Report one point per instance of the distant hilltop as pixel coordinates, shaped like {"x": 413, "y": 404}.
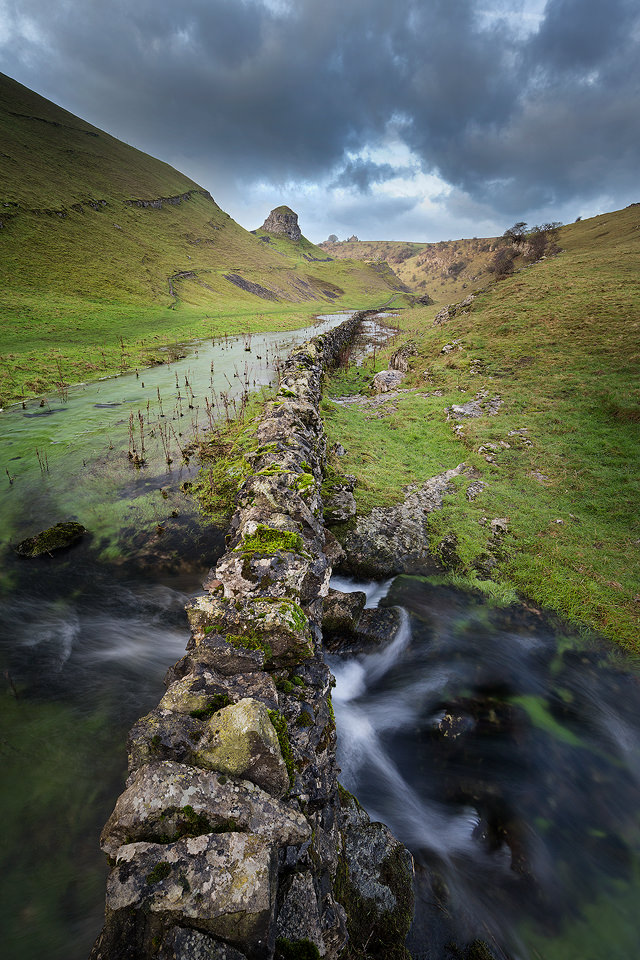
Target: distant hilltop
{"x": 283, "y": 220}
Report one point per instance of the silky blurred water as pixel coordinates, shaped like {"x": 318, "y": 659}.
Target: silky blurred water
{"x": 505, "y": 753}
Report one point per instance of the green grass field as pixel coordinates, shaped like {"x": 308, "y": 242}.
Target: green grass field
{"x": 93, "y": 282}
{"x": 559, "y": 343}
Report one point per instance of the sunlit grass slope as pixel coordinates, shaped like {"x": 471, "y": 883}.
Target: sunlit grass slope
{"x": 106, "y": 253}
{"x": 559, "y": 344}
{"x": 446, "y": 271}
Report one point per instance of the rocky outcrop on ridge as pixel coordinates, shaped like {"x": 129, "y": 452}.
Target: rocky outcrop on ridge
{"x": 233, "y": 839}
{"x": 283, "y": 220}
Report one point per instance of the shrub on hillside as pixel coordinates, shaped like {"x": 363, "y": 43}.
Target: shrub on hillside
{"x": 502, "y": 262}
{"x": 455, "y": 269}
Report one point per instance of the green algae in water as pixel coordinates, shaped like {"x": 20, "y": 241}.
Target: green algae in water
{"x": 53, "y": 800}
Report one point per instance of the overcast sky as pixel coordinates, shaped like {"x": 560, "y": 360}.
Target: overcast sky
{"x": 390, "y": 119}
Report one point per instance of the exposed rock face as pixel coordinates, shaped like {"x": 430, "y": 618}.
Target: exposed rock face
{"x": 229, "y": 842}
{"x": 392, "y": 540}
{"x": 283, "y": 220}
{"x": 387, "y": 380}
{"x": 400, "y": 360}
{"x": 447, "y": 313}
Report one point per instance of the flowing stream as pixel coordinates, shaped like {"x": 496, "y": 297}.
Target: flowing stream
{"x": 505, "y": 753}
{"x": 88, "y": 634}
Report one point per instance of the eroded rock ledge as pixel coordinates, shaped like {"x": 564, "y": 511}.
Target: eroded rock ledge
{"x": 233, "y": 839}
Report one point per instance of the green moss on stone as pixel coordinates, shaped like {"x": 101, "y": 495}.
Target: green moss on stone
{"x": 331, "y": 711}
{"x": 293, "y": 610}
{"x": 58, "y": 537}
{"x": 274, "y": 470}
{"x": 347, "y": 799}
{"x": 160, "y": 872}
{"x": 267, "y": 540}
{"x": 218, "y": 701}
{"x": 305, "y": 719}
{"x": 250, "y": 641}
{"x": 305, "y": 483}
{"x": 280, "y": 726}
{"x": 296, "y": 950}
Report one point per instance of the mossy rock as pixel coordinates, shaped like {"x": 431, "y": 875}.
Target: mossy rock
{"x": 374, "y": 883}
{"x": 296, "y": 950}
{"x": 59, "y": 537}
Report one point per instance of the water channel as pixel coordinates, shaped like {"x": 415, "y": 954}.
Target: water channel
{"x": 88, "y": 635}
{"x": 502, "y": 750}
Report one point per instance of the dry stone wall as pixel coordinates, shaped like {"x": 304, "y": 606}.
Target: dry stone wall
{"x": 233, "y": 839}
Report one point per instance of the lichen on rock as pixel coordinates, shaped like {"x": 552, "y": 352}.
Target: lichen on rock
{"x": 240, "y": 740}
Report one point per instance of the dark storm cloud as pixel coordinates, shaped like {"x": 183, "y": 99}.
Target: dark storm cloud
{"x": 283, "y": 91}
{"x": 361, "y": 174}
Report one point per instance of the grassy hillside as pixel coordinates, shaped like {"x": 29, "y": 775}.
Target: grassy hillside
{"x": 558, "y": 343}
{"x": 106, "y": 253}
{"x": 446, "y": 271}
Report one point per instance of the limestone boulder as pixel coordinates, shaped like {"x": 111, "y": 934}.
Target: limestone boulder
{"x": 166, "y": 801}
{"x": 211, "y": 651}
{"x": 222, "y": 884}
{"x": 342, "y": 611}
{"x": 181, "y": 943}
{"x": 374, "y": 628}
{"x": 374, "y": 884}
{"x": 278, "y": 627}
{"x": 339, "y": 505}
{"x": 163, "y": 735}
{"x": 304, "y": 918}
{"x": 203, "y": 691}
{"x": 387, "y": 380}
{"x": 240, "y": 740}
{"x": 400, "y": 360}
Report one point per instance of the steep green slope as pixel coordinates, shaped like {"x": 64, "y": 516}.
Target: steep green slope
{"x": 552, "y": 357}
{"x": 102, "y": 245}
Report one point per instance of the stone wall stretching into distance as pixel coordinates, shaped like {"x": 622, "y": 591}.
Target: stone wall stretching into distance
{"x": 233, "y": 839}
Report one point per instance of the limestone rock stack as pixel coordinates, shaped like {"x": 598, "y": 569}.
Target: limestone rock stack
{"x": 283, "y": 220}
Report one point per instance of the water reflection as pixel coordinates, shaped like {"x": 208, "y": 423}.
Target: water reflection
{"x": 506, "y": 757}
